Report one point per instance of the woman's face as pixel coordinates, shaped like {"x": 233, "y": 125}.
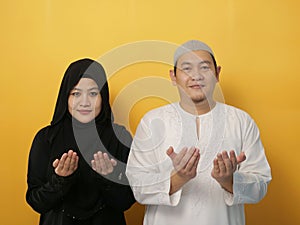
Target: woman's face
{"x": 84, "y": 102}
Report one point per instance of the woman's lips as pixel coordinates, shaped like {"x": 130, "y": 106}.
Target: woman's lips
{"x": 84, "y": 112}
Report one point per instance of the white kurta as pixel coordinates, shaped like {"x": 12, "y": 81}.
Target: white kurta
{"x": 201, "y": 201}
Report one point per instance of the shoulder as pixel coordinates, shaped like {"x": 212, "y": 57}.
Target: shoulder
{"x": 234, "y": 112}
{"x": 237, "y": 117}
{"x": 40, "y": 143}
{"x": 47, "y": 133}
{"x": 43, "y": 133}
{"x": 160, "y": 112}
{"x": 122, "y": 133}
{"x": 118, "y": 128}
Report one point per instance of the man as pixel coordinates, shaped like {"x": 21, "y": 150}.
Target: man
{"x": 197, "y": 162}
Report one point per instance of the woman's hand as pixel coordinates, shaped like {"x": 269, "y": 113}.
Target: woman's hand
{"x": 102, "y": 164}
{"x": 67, "y": 164}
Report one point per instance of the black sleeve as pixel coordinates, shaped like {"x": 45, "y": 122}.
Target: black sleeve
{"x": 117, "y": 192}
{"x": 44, "y": 192}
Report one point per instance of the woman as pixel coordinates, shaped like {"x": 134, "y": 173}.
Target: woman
{"x": 76, "y": 170}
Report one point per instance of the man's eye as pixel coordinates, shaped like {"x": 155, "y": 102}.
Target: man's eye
{"x": 186, "y": 68}
{"x": 204, "y": 67}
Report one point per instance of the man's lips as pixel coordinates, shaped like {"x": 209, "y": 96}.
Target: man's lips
{"x": 197, "y": 86}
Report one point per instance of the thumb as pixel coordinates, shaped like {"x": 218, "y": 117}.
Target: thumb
{"x": 241, "y": 157}
{"x": 55, "y": 163}
{"x": 171, "y": 153}
{"x": 113, "y": 162}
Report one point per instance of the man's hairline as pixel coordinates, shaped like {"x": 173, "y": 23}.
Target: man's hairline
{"x": 211, "y": 55}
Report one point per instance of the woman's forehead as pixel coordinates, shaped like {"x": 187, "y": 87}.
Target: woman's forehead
{"x": 86, "y": 83}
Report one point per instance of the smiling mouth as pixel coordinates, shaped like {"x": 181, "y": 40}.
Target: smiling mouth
{"x": 84, "y": 112}
{"x": 197, "y": 86}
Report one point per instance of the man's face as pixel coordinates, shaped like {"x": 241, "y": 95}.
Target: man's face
{"x": 196, "y": 76}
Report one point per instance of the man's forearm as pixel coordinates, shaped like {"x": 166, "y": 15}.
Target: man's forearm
{"x": 176, "y": 183}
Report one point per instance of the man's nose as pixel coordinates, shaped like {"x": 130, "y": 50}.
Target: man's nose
{"x": 197, "y": 75}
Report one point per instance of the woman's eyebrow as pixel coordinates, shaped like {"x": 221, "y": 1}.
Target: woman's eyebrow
{"x": 79, "y": 89}
{"x": 93, "y": 88}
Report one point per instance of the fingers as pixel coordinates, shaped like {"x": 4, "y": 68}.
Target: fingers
{"x": 193, "y": 161}
{"x": 185, "y": 158}
{"x": 216, "y": 168}
{"x": 233, "y": 158}
{"x": 178, "y": 157}
{"x": 185, "y": 162}
{"x": 96, "y": 164}
{"x": 221, "y": 165}
{"x": 68, "y": 161}
{"x": 73, "y": 160}
{"x": 223, "y": 168}
{"x": 103, "y": 164}
{"x": 227, "y": 163}
{"x": 67, "y": 164}
{"x": 61, "y": 164}
{"x": 182, "y": 158}
{"x": 224, "y": 164}
{"x": 107, "y": 163}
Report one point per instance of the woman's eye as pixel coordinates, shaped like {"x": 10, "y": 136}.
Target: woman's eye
{"x": 76, "y": 94}
{"x": 94, "y": 93}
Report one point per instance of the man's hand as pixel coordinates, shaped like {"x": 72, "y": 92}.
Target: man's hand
{"x": 185, "y": 166}
{"x": 102, "y": 164}
{"x": 224, "y": 166}
{"x": 67, "y": 164}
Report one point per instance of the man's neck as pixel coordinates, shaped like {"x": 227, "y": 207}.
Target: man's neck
{"x": 198, "y": 108}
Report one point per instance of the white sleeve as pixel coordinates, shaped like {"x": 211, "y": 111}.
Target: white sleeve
{"x": 149, "y": 168}
{"x": 250, "y": 181}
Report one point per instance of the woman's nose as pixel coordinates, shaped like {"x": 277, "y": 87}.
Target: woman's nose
{"x": 85, "y": 101}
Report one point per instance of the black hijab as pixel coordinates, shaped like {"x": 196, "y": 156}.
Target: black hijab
{"x": 83, "y": 68}
{"x": 101, "y": 134}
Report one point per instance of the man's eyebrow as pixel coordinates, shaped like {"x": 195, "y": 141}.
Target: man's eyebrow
{"x": 185, "y": 63}
{"x": 189, "y": 63}
{"x": 205, "y": 61}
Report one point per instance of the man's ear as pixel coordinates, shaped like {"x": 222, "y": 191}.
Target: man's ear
{"x": 172, "y": 77}
{"x": 218, "y": 71}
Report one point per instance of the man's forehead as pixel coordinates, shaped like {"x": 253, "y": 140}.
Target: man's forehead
{"x": 195, "y": 56}
{"x": 192, "y": 45}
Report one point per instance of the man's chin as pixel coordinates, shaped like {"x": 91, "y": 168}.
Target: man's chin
{"x": 197, "y": 100}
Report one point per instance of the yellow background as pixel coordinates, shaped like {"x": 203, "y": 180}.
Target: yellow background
{"x": 256, "y": 42}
